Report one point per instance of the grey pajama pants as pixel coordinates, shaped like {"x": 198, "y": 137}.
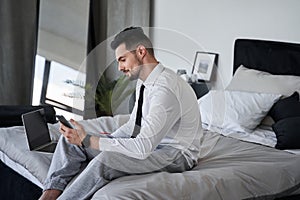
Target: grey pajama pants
{"x": 99, "y": 168}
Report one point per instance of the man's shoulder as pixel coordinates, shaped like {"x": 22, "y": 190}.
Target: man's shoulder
{"x": 171, "y": 79}
{"x": 168, "y": 76}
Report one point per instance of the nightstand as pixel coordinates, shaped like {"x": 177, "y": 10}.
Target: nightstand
{"x": 200, "y": 88}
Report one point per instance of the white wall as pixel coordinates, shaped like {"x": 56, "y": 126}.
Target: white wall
{"x": 213, "y": 25}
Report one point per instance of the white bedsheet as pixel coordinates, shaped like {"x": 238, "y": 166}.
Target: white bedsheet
{"x": 14, "y": 145}
{"x": 14, "y": 151}
{"x": 17, "y": 167}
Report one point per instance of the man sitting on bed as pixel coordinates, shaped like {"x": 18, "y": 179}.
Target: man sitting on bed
{"x": 166, "y": 136}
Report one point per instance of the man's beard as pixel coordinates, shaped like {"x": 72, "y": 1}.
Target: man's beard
{"x": 137, "y": 70}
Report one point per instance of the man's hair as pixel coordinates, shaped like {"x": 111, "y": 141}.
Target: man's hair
{"x": 132, "y": 37}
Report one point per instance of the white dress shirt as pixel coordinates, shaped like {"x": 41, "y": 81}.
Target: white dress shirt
{"x": 170, "y": 116}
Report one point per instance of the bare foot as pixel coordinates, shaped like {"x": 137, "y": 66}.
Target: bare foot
{"x": 50, "y": 194}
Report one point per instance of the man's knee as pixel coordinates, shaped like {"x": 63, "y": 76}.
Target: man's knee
{"x": 110, "y": 158}
{"x": 107, "y": 165}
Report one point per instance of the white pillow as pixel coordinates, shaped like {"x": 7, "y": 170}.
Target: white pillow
{"x": 235, "y": 110}
{"x": 252, "y": 80}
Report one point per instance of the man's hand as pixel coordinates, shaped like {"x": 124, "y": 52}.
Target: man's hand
{"x": 73, "y": 136}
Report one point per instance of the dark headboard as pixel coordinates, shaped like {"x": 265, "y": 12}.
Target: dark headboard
{"x": 270, "y": 56}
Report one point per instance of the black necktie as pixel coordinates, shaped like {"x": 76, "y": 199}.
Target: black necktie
{"x": 138, "y": 118}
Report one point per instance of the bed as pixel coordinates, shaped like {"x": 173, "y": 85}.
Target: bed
{"x": 244, "y": 154}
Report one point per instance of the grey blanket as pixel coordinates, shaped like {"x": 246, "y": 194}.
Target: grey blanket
{"x": 227, "y": 169}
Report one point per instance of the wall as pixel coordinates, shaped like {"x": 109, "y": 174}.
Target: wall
{"x": 184, "y": 27}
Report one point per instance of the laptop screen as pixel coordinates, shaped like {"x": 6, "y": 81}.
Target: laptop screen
{"x": 36, "y": 129}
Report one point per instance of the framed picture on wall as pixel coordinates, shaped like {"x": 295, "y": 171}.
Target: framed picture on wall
{"x": 203, "y": 65}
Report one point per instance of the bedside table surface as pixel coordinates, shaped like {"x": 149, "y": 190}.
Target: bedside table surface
{"x": 200, "y": 88}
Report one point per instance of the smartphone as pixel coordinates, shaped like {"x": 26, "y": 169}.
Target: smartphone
{"x": 63, "y": 120}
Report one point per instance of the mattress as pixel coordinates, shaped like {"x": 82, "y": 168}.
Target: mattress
{"x": 34, "y": 165}
{"x": 228, "y": 168}
{"x": 17, "y": 167}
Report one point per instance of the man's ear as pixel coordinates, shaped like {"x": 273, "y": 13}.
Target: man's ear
{"x": 141, "y": 51}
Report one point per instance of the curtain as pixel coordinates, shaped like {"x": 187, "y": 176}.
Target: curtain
{"x": 107, "y": 18}
{"x": 18, "y": 39}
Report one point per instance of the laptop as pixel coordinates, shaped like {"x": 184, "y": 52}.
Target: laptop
{"x": 37, "y": 132}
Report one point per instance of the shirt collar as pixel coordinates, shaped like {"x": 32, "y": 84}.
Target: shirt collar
{"x": 150, "y": 80}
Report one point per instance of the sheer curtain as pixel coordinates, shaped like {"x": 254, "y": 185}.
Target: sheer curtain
{"x": 107, "y": 18}
{"x": 18, "y": 36}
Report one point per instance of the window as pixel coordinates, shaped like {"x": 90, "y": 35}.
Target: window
{"x": 38, "y": 79}
{"x": 59, "y": 85}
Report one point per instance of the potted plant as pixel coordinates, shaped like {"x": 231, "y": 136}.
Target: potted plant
{"x": 111, "y": 93}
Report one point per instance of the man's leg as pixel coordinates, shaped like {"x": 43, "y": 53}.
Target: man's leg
{"x": 67, "y": 161}
{"x": 108, "y": 166}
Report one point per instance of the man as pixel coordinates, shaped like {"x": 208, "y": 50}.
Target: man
{"x": 162, "y": 134}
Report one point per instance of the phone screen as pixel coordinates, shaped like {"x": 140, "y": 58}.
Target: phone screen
{"x": 63, "y": 120}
